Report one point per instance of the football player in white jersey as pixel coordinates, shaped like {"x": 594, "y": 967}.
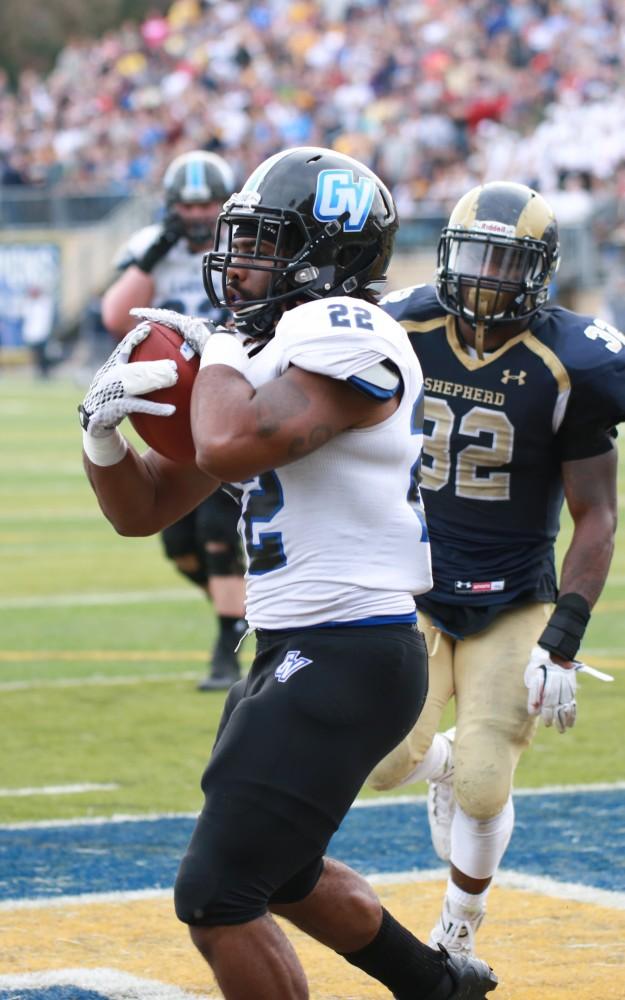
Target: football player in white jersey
{"x": 161, "y": 266}
{"x": 312, "y": 410}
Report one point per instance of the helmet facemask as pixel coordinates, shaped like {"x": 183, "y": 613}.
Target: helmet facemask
{"x": 302, "y": 264}
{"x": 496, "y": 258}
{"x": 319, "y": 222}
{"x": 492, "y": 280}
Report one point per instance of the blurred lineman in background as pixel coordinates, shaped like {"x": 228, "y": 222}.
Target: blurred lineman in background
{"x": 161, "y": 266}
{"x": 312, "y": 408}
{"x": 521, "y": 403}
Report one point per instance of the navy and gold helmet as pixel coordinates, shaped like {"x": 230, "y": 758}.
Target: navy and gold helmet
{"x": 497, "y": 255}
{"x": 321, "y": 222}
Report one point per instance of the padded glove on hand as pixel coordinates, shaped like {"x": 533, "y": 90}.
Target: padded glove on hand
{"x": 194, "y": 331}
{"x": 551, "y": 690}
{"x": 117, "y": 387}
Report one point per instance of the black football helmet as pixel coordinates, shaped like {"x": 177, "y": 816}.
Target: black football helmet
{"x": 497, "y": 255}
{"x": 195, "y": 177}
{"x": 330, "y": 220}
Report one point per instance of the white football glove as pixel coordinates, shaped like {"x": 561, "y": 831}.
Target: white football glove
{"x": 117, "y": 387}
{"x": 193, "y": 330}
{"x": 551, "y": 690}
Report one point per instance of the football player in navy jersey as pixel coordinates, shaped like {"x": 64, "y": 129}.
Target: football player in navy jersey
{"x": 161, "y": 267}
{"x": 312, "y": 409}
{"x": 521, "y": 402}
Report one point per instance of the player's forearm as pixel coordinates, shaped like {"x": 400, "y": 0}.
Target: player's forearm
{"x": 126, "y": 494}
{"x": 587, "y": 561}
{"x": 591, "y": 496}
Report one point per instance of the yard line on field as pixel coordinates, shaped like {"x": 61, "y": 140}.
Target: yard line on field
{"x": 86, "y": 600}
{"x": 48, "y": 902}
{"x": 47, "y": 824}
{"x": 99, "y": 982}
{"x": 32, "y": 515}
{"x": 407, "y": 800}
{"x": 516, "y": 880}
{"x": 381, "y": 802}
{"x": 521, "y": 881}
{"x": 99, "y": 680}
{"x": 10, "y": 793}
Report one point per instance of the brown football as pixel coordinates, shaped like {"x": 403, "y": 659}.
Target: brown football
{"x": 170, "y": 436}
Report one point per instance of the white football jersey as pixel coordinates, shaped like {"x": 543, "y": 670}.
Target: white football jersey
{"x": 339, "y": 535}
{"x": 178, "y": 282}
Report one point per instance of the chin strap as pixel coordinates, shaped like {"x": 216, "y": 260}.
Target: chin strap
{"x": 480, "y": 331}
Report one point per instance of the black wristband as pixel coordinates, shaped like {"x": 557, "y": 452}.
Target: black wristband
{"x": 565, "y": 629}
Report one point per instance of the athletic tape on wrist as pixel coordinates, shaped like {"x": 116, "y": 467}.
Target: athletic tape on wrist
{"x": 565, "y": 629}
{"x": 104, "y": 451}
{"x": 224, "y": 349}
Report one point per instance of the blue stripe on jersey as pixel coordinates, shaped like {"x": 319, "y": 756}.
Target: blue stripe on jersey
{"x": 373, "y": 390}
{"x": 408, "y": 619}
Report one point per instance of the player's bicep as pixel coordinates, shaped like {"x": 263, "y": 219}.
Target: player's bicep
{"x": 301, "y": 410}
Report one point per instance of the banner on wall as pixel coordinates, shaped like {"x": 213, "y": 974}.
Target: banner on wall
{"x": 30, "y": 281}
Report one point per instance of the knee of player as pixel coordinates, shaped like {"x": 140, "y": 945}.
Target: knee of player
{"x": 213, "y": 901}
{"x": 223, "y": 559}
{"x": 482, "y": 796}
{"x": 351, "y": 896}
{"x": 190, "y": 566}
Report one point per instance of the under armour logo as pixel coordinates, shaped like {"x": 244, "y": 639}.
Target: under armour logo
{"x": 291, "y": 664}
{"x": 338, "y": 192}
{"x": 509, "y": 377}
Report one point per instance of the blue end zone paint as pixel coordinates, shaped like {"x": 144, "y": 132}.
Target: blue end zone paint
{"x": 571, "y": 837}
{"x": 51, "y": 993}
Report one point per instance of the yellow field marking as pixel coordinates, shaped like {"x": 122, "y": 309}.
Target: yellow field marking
{"x": 541, "y": 948}
{"x": 102, "y": 655}
{"x": 616, "y": 663}
{"x": 173, "y": 655}
{"x": 608, "y": 606}
{"x": 167, "y": 656}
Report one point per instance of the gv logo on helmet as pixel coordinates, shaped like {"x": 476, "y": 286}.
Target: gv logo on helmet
{"x": 338, "y": 192}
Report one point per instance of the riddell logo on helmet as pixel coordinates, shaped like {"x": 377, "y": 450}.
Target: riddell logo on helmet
{"x": 495, "y": 228}
{"x": 338, "y": 192}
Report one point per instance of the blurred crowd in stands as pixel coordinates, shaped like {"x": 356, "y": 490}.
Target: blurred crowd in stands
{"x": 436, "y": 95}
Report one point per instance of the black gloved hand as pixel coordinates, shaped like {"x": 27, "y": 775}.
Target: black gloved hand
{"x": 171, "y": 230}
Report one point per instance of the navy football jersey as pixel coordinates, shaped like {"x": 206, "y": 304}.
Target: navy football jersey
{"x": 495, "y": 434}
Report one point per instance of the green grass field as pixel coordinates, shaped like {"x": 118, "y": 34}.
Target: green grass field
{"x": 101, "y": 643}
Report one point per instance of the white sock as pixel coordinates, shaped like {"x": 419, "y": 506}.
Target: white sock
{"x": 465, "y": 904}
{"x": 434, "y": 765}
{"x": 478, "y": 845}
